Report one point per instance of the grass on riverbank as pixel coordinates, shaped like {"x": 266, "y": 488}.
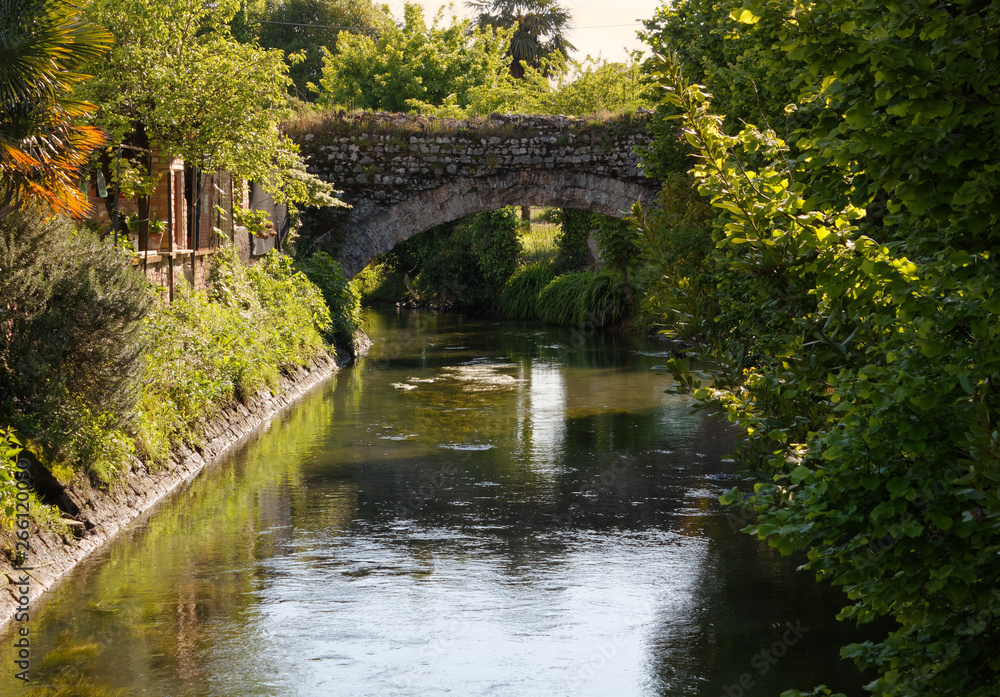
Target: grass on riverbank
{"x": 222, "y": 346}
{"x": 540, "y": 239}
{"x": 105, "y": 390}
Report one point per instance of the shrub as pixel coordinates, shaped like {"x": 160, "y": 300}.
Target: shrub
{"x": 496, "y": 246}
{"x": 616, "y": 240}
{"x": 71, "y": 352}
{"x": 469, "y": 261}
{"x": 685, "y": 267}
{"x": 447, "y": 269}
{"x": 342, "y": 297}
{"x": 379, "y": 282}
{"x": 574, "y": 253}
{"x": 212, "y": 348}
{"x": 10, "y": 446}
{"x": 870, "y": 422}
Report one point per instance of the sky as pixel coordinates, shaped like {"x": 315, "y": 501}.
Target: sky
{"x": 605, "y": 27}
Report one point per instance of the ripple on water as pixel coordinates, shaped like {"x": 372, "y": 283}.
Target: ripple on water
{"x": 467, "y": 446}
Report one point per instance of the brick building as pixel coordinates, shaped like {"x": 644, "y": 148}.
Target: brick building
{"x": 193, "y": 205}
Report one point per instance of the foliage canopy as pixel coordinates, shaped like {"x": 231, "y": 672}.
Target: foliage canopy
{"x": 870, "y": 241}
{"x": 176, "y": 78}
{"x": 302, "y": 28}
{"x": 432, "y": 65}
{"x": 539, "y": 29}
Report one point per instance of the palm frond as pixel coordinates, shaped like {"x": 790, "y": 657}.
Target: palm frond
{"x": 43, "y": 145}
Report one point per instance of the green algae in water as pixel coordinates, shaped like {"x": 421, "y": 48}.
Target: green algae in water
{"x": 64, "y": 671}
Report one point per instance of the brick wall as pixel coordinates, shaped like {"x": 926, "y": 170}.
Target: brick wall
{"x": 180, "y": 193}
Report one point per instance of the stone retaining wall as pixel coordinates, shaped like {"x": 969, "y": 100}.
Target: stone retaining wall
{"x": 104, "y": 513}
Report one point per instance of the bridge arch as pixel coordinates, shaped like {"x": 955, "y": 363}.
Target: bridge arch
{"x": 454, "y": 200}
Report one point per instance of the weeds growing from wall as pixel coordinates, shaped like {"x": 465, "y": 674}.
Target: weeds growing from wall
{"x": 328, "y": 126}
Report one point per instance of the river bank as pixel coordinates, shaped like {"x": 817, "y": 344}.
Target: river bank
{"x": 104, "y": 513}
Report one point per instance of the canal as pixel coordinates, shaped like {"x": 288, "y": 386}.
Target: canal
{"x": 477, "y": 507}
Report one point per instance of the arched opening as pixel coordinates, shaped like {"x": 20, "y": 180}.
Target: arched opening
{"x": 372, "y": 230}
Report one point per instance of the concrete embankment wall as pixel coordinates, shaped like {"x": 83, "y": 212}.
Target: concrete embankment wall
{"x": 104, "y": 513}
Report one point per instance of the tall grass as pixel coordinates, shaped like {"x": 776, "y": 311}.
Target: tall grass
{"x": 519, "y": 298}
{"x": 607, "y": 300}
{"x": 583, "y": 298}
{"x": 563, "y": 300}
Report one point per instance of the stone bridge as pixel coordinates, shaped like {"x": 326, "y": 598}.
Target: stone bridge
{"x": 405, "y": 174}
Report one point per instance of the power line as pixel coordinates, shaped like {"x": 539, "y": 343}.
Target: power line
{"x": 608, "y": 26}
{"x": 315, "y": 26}
{"x": 337, "y": 26}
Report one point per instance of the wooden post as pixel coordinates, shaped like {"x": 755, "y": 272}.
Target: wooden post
{"x": 170, "y": 232}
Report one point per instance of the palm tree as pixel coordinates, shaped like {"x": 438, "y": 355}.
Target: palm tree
{"x": 540, "y": 28}
{"x": 43, "y": 147}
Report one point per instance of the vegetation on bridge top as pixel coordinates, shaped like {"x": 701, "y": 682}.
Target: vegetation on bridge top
{"x": 326, "y": 125}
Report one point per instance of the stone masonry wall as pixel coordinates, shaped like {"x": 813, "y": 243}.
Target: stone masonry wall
{"x": 399, "y": 172}
{"x": 389, "y": 156}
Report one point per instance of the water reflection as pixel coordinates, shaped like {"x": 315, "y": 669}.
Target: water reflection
{"x": 478, "y": 508}
{"x": 546, "y": 409}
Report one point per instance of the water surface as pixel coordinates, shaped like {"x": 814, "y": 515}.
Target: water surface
{"x": 476, "y": 508}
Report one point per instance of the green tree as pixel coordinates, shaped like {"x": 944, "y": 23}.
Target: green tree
{"x": 597, "y": 87}
{"x": 176, "y": 78}
{"x": 871, "y": 420}
{"x": 305, "y": 27}
{"x": 593, "y": 87}
{"x": 539, "y": 29}
{"x": 43, "y": 142}
{"x": 415, "y": 63}
{"x": 924, "y": 136}
{"x": 539, "y": 33}
{"x": 740, "y": 63}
